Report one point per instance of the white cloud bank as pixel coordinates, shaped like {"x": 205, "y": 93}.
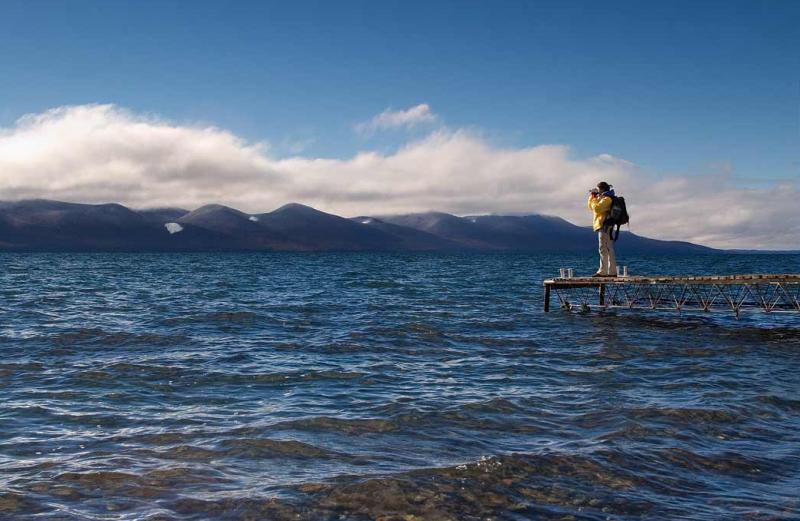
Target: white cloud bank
{"x": 100, "y": 153}
{"x": 390, "y": 119}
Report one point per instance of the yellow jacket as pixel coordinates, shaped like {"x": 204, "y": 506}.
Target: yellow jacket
{"x": 600, "y": 206}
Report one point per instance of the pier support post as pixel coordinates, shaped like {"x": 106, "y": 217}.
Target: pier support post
{"x": 546, "y": 298}
{"x": 602, "y": 295}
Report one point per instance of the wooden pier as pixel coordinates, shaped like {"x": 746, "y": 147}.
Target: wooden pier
{"x": 768, "y": 293}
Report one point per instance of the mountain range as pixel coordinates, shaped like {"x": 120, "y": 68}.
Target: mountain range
{"x": 42, "y": 225}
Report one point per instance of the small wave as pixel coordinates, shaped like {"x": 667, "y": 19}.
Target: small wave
{"x": 779, "y": 402}
{"x": 161, "y": 482}
{"x": 478, "y": 417}
{"x": 102, "y": 480}
{"x": 686, "y": 415}
{"x": 246, "y": 448}
{"x": 729, "y": 463}
{"x": 168, "y": 376}
{"x": 376, "y": 284}
{"x": 328, "y": 348}
{"x": 12, "y": 502}
{"x": 182, "y": 453}
{"x": 664, "y": 322}
{"x": 492, "y": 486}
{"x": 145, "y": 372}
{"x": 219, "y": 317}
{"x": 276, "y": 378}
{"x": 14, "y": 369}
{"x": 158, "y": 438}
{"x": 787, "y": 336}
{"x": 88, "y": 336}
{"x": 637, "y": 431}
{"x": 268, "y": 448}
{"x": 495, "y": 405}
{"x": 507, "y": 486}
{"x": 60, "y": 416}
{"x": 244, "y": 508}
{"x": 347, "y": 426}
{"x": 171, "y": 477}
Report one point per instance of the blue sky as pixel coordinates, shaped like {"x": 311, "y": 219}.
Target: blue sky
{"x": 686, "y": 87}
{"x": 691, "y": 109}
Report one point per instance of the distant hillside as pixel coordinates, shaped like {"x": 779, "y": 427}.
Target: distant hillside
{"x": 41, "y": 225}
{"x": 534, "y": 233}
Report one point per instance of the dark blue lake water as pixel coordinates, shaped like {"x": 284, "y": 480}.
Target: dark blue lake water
{"x": 372, "y": 386}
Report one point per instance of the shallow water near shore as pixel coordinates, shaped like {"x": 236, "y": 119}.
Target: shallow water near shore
{"x": 384, "y": 386}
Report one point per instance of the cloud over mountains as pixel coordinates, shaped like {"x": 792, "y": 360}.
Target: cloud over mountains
{"x": 101, "y": 153}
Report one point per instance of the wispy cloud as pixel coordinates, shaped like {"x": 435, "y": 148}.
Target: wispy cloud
{"x": 101, "y": 153}
{"x": 392, "y": 119}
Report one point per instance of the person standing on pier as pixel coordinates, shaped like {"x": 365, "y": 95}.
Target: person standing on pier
{"x": 600, "y": 200}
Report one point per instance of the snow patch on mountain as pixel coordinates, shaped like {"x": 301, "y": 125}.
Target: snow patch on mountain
{"x": 173, "y": 227}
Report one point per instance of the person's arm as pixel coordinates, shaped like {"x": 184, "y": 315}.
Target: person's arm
{"x": 602, "y": 205}
{"x": 591, "y": 202}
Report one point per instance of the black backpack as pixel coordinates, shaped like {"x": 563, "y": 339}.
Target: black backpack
{"x": 617, "y": 216}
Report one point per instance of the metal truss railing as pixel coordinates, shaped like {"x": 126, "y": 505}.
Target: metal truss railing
{"x": 768, "y": 296}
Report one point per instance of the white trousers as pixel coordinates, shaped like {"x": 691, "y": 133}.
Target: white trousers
{"x": 608, "y": 262}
